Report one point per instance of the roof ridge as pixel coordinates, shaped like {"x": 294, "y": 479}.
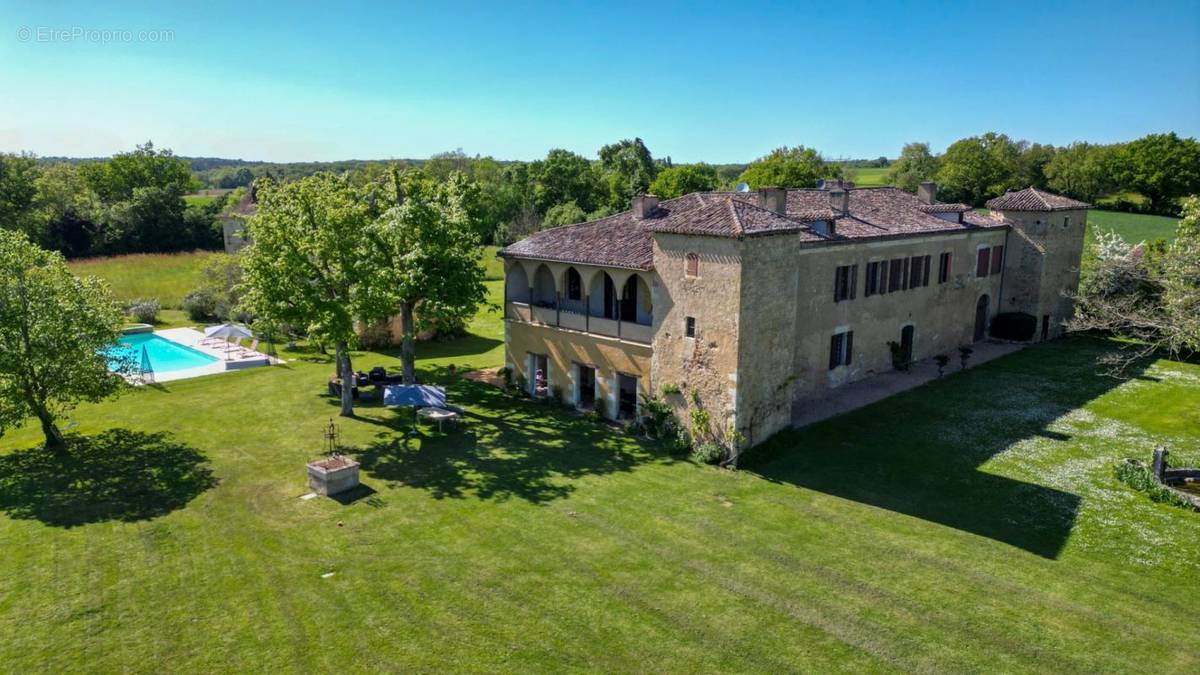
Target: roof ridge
{"x": 738, "y": 229}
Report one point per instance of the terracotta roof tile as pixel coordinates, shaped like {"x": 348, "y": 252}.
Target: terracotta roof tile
{"x": 1033, "y": 199}
{"x": 621, "y": 240}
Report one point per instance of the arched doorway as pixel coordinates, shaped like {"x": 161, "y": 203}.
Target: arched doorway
{"x": 603, "y": 297}
{"x": 981, "y": 317}
{"x": 543, "y": 287}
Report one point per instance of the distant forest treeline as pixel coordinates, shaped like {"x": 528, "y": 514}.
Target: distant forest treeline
{"x": 133, "y": 201}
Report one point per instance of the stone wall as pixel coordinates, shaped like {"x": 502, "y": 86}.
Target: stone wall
{"x": 708, "y": 363}
{"x": 1042, "y": 264}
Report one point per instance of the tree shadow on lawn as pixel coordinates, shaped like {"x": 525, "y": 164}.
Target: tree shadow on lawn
{"x": 919, "y": 453}
{"x": 504, "y": 448}
{"x": 117, "y": 475}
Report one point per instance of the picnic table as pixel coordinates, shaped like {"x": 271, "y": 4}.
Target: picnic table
{"x": 439, "y": 415}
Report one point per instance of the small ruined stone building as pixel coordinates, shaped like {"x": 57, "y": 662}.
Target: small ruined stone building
{"x": 752, "y": 303}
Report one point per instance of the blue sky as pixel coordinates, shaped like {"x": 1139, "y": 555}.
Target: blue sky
{"x": 718, "y": 82}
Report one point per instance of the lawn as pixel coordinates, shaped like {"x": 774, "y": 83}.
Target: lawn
{"x": 166, "y": 277}
{"x": 870, "y": 176}
{"x": 969, "y": 525}
{"x": 1133, "y": 227}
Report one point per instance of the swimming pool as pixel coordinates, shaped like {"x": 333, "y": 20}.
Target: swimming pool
{"x": 165, "y": 356}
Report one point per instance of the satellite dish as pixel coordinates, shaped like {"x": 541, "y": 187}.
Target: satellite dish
{"x": 743, "y": 187}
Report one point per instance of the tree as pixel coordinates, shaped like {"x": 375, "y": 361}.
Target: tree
{"x": 786, "y": 167}
{"x": 684, "y": 179}
{"x": 1149, "y": 295}
{"x": 1032, "y": 163}
{"x": 67, "y": 207}
{"x": 18, "y": 193}
{"x": 564, "y": 214}
{"x": 562, "y": 177}
{"x": 980, "y": 167}
{"x": 116, "y": 179}
{"x": 627, "y": 169}
{"x": 54, "y": 328}
{"x": 1082, "y": 171}
{"x": 1163, "y": 167}
{"x": 915, "y": 165}
{"x": 425, "y": 257}
{"x": 308, "y": 265}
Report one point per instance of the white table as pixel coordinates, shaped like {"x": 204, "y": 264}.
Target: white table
{"x": 439, "y": 415}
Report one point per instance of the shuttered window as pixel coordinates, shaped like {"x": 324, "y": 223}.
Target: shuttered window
{"x": 981, "y": 264}
{"x": 692, "y": 268}
{"x": 914, "y": 271}
{"x": 845, "y": 283}
{"x": 944, "y": 268}
{"x": 871, "y": 287}
{"x": 895, "y": 275}
{"x": 925, "y": 271}
{"x": 689, "y": 327}
{"x": 997, "y": 259}
{"x": 841, "y": 349}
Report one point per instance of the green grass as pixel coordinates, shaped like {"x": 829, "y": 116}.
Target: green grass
{"x": 973, "y": 524}
{"x": 870, "y": 177}
{"x": 1133, "y": 227}
{"x": 166, "y": 277}
{"x": 199, "y": 200}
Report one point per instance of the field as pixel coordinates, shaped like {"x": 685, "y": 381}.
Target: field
{"x": 1133, "y": 227}
{"x": 972, "y": 524}
{"x": 166, "y": 277}
{"x": 869, "y": 177}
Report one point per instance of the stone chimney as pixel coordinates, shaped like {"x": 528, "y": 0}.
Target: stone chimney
{"x": 644, "y": 205}
{"x": 839, "y": 201}
{"x": 927, "y": 192}
{"x": 773, "y": 199}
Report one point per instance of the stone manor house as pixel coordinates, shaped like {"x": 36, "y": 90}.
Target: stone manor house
{"x": 752, "y": 303}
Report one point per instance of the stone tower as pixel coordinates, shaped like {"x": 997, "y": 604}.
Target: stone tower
{"x": 1041, "y": 263}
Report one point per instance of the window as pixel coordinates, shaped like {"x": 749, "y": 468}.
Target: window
{"x": 997, "y": 259}
{"x": 845, "y": 282}
{"x": 1066, "y": 221}
{"x": 944, "y": 268}
{"x": 895, "y": 274}
{"x": 574, "y": 284}
{"x": 925, "y": 271}
{"x": 872, "y": 285}
{"x": 915, "y": 272}
{"x": 841, "y": 346}
{"x": 981, "y": 263}
{"x": 690, "y": 327}
{"x": 692, "y": 269}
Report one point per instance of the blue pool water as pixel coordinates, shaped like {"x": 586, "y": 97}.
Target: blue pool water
{"x": 165, "y": 356}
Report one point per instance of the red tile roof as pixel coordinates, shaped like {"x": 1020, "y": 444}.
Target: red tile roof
{"x": 621, "y": 240}
{"x": 1033, "y": 199}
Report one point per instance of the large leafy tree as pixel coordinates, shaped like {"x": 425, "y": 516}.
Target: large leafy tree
{"x": 425, "y": 257}
{"x": 627, "y": 169}
{"x": 975, "y": 169}
{"x": 18, "y": 193}
{"x": 787, "y": 167}
{"x": 1162, "y": 167}
{"x": 915, "y": 165}
{"x": 1081, "y": 170}
{"x": 684, "y": 179}
{"x": 53, "y": 328}
{"x": 309, "y": 264}
{"x": 563, "y": 177}
{"x": 116, "y": 179}
{"x": 67, "y": 207}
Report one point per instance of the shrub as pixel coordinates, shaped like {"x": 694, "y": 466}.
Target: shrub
{"x": 1139, "y": 477}
{"x": 656, "y": 416}
{"x": 145, "y": 311}
{"x": 942, "y": 361}
{"x": 964, "y": 355}
{"x": 200, "y": 305}
{"x": 899, "y": 360}
{"x": 708, "y": 453}
{"x": 1017, "y": 326}
{"x": 670, "y": 389}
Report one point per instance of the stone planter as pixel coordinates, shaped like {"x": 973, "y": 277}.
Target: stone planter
{"x": 332, "y": 475}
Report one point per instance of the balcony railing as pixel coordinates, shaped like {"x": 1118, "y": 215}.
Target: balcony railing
{"x": 584, "y": 323}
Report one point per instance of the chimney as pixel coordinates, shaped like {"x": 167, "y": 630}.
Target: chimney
{"x": 644, "y": 205}
{"x": 839, "y": 201}
{"x": 927, "y": 192}
{"x": 773, "y": 199}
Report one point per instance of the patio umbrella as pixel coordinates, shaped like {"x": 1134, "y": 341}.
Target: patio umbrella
{"x": 226, "y": 331}
{"x": 419, "y": 395}
{"x": 147, "y": 367}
